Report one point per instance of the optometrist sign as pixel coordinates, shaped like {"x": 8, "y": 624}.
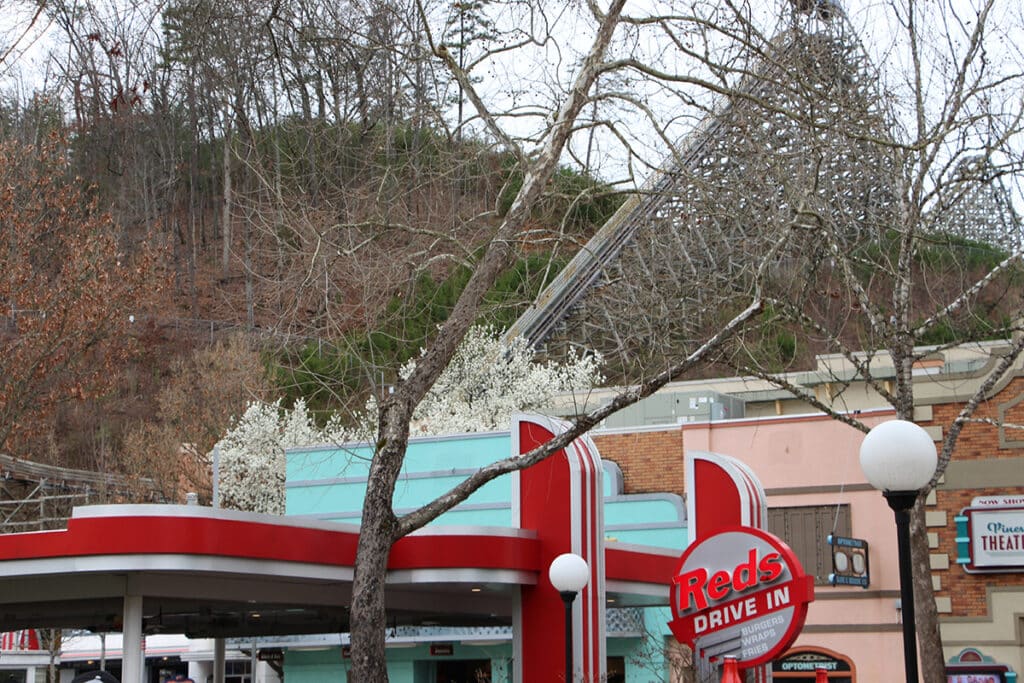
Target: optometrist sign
{"x": 740, "y": 593}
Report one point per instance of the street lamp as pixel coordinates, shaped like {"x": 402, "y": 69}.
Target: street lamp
{"x": 569, "y": 573}
{"x": 898, "y": 458}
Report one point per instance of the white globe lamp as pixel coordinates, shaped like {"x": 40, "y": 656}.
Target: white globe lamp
{"x": 898, "y": 458}
{"x": 568, "y": 573}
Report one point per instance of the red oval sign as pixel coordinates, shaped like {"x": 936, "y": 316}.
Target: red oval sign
{"x": 740, "y": 593}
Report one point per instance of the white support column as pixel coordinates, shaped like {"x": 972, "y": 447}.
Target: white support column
{"x": 517, "y": 636}
{"x": 219, "y": 659}
{"x": 133, "y": 660}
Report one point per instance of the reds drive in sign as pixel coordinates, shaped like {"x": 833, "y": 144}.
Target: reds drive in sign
{"x": 740, "y": 593}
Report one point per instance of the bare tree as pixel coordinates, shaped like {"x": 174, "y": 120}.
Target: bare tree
{"x": 380, "y": 526}
{"x": 946, "y": 270}
{"x": 20, "y": 30}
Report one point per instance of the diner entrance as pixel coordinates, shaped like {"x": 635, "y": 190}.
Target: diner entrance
{"x": 464, "y": 671}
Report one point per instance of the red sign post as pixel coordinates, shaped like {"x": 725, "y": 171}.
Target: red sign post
{"x": 740, "y": 593}
{"x": 731, "y": 672}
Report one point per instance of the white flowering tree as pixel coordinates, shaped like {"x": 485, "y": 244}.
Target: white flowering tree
{"x": 252, "y": 466}
{"x": 486, "y": 382}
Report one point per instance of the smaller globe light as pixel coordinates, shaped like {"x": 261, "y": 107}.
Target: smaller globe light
{"x": 569, "y": 573}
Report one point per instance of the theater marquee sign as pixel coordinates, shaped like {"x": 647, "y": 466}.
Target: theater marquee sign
{"x": 990, "y": 534}
{"x": 740, "y": 593}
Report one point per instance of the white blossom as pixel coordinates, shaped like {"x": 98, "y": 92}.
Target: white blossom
{"x": 252, "y": 464}
{"x": 483, "y": 386}
{"x": 487, "y": 382}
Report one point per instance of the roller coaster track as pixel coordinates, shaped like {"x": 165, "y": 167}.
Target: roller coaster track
{"x": 982, "y": 212}
{"x": 584, "y": 270}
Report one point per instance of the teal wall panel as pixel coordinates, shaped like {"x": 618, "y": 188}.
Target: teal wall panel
{"x": 303, "y": 666}
{"x": 663, "y": 537}
{"x": 624, "y": 510}
{"x": 405, "y": 664}
{"x": 644, "y": 659}
{"x": 328, "y": 483}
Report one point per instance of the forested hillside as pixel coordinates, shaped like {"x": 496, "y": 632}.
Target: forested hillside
{"x": 196, "y": 308}
{"x": 249, "y": 202}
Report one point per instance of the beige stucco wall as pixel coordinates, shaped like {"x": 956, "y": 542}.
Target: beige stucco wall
{"x": 998, "y": 635}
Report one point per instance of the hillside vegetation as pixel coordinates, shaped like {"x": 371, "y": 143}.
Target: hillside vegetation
{"x": 313, "y": 287}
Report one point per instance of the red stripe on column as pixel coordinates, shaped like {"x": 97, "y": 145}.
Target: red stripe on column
{"x": 717, "y": 502}
{"x": 595, "y": 639}
{"x": 583, "y": 485}
{"x": 545, "y": 506}
{"x": 560, "y": 499}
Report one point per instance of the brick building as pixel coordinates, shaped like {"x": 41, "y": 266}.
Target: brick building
{"x": 810, "y": 469}
{"x": 981, "y": 594}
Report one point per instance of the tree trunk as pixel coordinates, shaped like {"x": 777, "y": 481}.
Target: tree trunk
{"x": 377, "y": 533}
{"x": 933, "y": 667}
{"x": 379, "y": 526}
{"x": 225, "y": 220}
{"x": 369, "y": 615}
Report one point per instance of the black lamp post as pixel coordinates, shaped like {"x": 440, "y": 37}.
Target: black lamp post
{"x": 569, "y": 573}
{"x": 899, "y": 458}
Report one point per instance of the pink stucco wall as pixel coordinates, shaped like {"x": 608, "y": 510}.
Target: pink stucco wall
{"x": 813, "y": 460}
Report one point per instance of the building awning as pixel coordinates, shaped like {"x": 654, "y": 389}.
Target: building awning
{"x": 221, "y": 573}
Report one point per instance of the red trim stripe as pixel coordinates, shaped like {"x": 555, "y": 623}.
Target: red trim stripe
{"x": 630, "y": 565}
{"x": 176, "y": 535}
